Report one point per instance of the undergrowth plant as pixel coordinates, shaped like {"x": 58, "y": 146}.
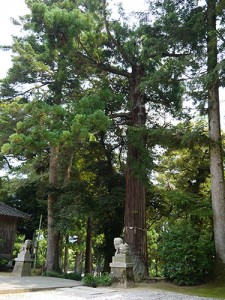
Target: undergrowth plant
{"x": 98, "y": 280}
{"x": 72, "y": 276}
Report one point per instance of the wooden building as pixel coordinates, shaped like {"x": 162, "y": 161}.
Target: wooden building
{"x": 9, "y": 217}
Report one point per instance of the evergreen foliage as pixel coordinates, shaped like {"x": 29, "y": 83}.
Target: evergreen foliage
{"x": 187, "y": 253}
{"x": 86, "y": 110}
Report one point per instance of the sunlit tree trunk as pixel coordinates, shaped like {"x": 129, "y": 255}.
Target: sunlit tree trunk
{"x": 53, "y": 251}
{"x": 78, "y": 258}
{"x": 216, "y": 161}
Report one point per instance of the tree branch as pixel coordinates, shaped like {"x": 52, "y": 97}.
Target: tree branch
{"x": 114, "y": 41}
{"x": 173, "y": 54}
{"x": 7, "y": 162}
{"x": 119, "y": 115}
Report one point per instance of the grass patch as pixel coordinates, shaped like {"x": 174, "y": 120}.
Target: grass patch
{"x": 214, "y": 289}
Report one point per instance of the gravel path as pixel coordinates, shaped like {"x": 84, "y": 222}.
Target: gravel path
{"x": 99, "y": 294}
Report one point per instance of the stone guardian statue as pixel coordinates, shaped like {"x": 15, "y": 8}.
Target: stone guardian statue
{"x": 121, "y": 265}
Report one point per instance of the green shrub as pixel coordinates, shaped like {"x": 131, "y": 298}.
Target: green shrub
{"x": 90, "y": 280}
{"x": 104, "y": 279}
{"x": 3, "y": 264}
{"x": 72, "y": 276}
{"x": 99, "y": 280}
{"x": 187, "y": 253}
{"x": 52, "y": 274}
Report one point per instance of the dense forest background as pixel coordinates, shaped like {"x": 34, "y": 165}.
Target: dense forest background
{"x": 112, "y": 128}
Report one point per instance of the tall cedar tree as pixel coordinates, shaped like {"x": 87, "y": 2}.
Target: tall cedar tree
{"x": 151, "y": 68}
{"x": 215, "y": 140}
{"x": 42, "y": 60}
{"x": 118, "y": 50}
{"x": 195, "y": 27}
{"x": 45, "y": 59}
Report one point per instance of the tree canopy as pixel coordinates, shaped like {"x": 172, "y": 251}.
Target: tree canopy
{"x": 108, "y": 121}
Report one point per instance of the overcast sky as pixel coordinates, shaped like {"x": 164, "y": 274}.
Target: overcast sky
{"x": 14, "y": 8}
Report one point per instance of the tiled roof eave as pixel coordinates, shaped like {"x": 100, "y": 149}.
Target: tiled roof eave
{"x": 6, "y": 210}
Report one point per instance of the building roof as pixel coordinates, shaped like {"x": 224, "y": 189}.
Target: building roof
{"x": 6, "y": 210}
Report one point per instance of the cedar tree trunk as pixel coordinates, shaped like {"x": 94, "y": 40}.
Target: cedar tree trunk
{"x": 78, "y": 258}
{"x": 135, "y": 203}
{"x": 53, "y": 253}
{"x": 216, "y": 161}
{"x": 66, "y": 255}
{"x": 88, "y": 254}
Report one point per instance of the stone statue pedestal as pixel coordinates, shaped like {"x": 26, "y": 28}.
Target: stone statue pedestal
{"x": 122, "y": 271}
{"x": 23, "y": 264}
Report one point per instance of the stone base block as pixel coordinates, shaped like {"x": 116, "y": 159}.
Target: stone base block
{"x": 121, "y": 258}
{"x": 121, "y": 261}
{"x": 22, "y": 268}
{"x": 122, "y": 276}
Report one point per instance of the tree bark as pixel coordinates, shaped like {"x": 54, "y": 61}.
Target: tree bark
{"x": 53, "y": 252}
{"x": 135, "y": 234}
{"x": 88, "y": 254}
{"x": 66, "y": 254}
{"x": 216, "y": 157}
{"x": 78, "y": 258}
